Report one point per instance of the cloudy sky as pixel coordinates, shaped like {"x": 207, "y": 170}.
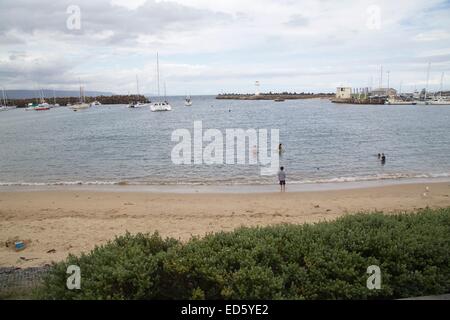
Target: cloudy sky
{"x": 208, "y": 46}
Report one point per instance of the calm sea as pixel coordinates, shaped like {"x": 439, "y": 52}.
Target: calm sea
{"x": 324, "y": 142}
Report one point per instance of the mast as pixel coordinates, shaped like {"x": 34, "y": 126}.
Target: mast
{"x": 381, "y": 77}
{"x": 165, "y": 95}
{"x": 388, "y": 75}
{"x": 4, "y": 99}
{"x": 54, "y": 96}
{"x": 35, "y": 88}
{"x": 157, "y": 72}
{"x": 137, "y": 85}
{"x": 442, "y": 83}
{"x": 79, "y": 82}
{"x": 428, "y": 79}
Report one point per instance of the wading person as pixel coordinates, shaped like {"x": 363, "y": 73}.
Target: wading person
{"x": 383, "y": 159}
{"x": 280, "y": 148}
{"x": 282, "y": 179}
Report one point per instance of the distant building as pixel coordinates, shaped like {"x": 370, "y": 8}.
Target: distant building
{"x": 343, "y": 93}
{"x": 383, "y": 92}
{"x": 257, "y": 92}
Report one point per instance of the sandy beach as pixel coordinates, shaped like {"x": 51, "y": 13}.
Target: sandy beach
{"x": 59, "y": 222}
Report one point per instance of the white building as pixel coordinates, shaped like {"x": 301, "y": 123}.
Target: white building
{"x": 343, "y": 92}
{"x": 257, "y": 92}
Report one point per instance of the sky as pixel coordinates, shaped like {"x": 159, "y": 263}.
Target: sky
{"x": 211, "y": 47}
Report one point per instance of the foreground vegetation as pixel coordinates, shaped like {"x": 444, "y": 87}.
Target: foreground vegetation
{"x": 327, "y": 260}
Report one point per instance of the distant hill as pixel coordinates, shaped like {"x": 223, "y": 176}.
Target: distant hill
{"x": 30, "y": 94}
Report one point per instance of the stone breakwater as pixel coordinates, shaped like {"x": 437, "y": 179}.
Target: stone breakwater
{"x": 273, "y": 96}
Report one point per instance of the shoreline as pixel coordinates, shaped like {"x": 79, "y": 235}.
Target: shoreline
{"x": 62, "y": 221}
{"x": 219, "y": 188}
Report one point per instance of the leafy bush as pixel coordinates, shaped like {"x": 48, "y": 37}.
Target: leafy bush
{"x": 327, "y": 260}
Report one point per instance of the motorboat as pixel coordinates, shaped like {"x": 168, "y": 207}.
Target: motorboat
{"x": 160, "y": 106}
{"x": 80, "y": 106}
{"x": 396, "y": 101}
{"x": 95, "y": 103}
{"x": 135, "y": 105}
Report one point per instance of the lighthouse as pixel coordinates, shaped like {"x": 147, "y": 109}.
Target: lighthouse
{"x": 257, "y": 93}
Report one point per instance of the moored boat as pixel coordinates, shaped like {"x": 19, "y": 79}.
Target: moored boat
{"x": 135, "y": 105}
{"x": 42, "y": 107}
{"x": 160, "y": 106}
{"x": 95, "y": 103}
{"x": 81, "y": 105}
{"x": 438, "y": 101}
{"x": 396, "y": 101}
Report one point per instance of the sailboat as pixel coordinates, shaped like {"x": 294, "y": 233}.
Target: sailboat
{"x": 160, "y": 106}
{"x": 42, "y": 105}
{"x": 440, "y": 100}
{"x": 188, "y": 101}
{"x": 4, "y": 103}
{"x": 81, "y": 105}
{"x": 137, "y": 104}
{"x": 55, "y": 105}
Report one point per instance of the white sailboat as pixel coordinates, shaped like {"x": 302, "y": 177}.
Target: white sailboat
{"x": 82, "y": 104}
{"x": 137, "y": 104}
{"x": 4, "y": 106}
{"x": 55, "y": 105}
{"x": 159, "y": 105}
{"x": 440, "y": 100}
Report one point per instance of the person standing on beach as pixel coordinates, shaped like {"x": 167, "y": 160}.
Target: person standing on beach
{"x": 282, "y": 179}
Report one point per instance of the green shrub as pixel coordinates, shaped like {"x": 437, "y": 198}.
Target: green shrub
{"x": 326, "y": 260}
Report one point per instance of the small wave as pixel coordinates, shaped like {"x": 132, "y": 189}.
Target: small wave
{"x": 394, "y": 176}
{"x": 59, "y": 183}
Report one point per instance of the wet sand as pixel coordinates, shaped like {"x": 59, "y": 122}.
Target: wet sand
{"x": 61, "y": 221}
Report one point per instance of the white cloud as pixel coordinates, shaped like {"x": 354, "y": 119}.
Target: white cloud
{"x": 435, "y": 35}
{"x": 129, "y": 4}
{"x": 221, "y": 45}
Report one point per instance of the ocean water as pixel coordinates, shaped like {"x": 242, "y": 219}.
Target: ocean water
{"x": 323, "y": 142}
